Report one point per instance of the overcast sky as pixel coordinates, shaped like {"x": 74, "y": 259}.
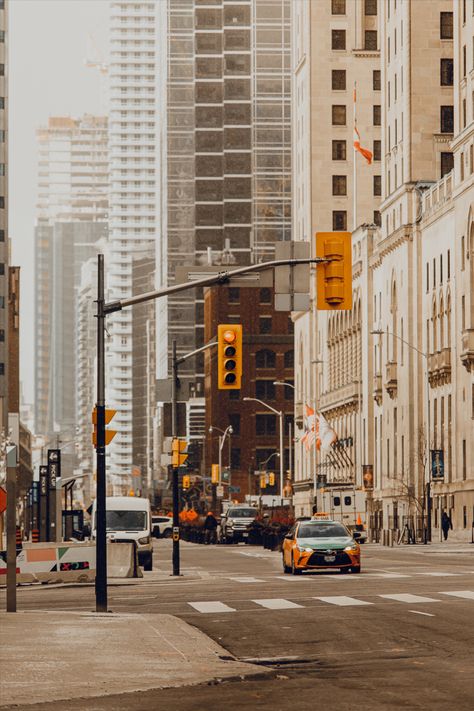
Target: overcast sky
{"x": 48, "y": 43}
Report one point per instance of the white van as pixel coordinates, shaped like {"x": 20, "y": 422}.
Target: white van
{"x": 128, "y": 518}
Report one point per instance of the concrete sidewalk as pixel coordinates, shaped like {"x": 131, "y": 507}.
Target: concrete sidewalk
{"x": 51, "y": 656}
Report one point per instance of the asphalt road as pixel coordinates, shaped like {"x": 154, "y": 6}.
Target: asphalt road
{"x": 397, "y": 636}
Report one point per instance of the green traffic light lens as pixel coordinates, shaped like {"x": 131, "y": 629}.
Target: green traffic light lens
{"x": 230, "y": 378}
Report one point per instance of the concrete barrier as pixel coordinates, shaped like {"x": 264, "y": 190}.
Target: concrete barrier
{"x": 70, "y": 562}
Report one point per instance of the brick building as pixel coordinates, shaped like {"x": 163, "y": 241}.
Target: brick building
{"x": 268, "y": 356}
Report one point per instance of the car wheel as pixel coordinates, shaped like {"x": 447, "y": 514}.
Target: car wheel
{"x": 355, "y": 569}
{"x": 167, "y": 533}
{"x": 286, "y": 568}
{"x": 149, "y": 563}
{"x": 294, "y": 569}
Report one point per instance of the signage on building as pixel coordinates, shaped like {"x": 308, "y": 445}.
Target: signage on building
{"x": 437, "y": 464}
{"x": 368, "y": 476}
{"x": 220, "y": 491}
{"x": 54, "y": 467}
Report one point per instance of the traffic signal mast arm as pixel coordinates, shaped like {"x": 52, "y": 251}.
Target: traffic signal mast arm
{"x": 220, "y": 278}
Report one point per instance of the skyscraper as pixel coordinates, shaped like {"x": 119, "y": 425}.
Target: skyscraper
{"x": 3, "y": 219}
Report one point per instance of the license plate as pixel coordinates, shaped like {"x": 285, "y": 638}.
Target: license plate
{"x": 245, "y": 535}
{"x": 329, "y": 558}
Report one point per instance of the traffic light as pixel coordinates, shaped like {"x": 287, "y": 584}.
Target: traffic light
{"x": 186, "y": 481}
{"x": 271, "y": 478}
{"x": 229, "y": 356}
{"x": 214, "y": 474}
{"x": 263, "y": 481}
{"x": 109, "y": 434}
{"x": 179, "y": 455}
{"x": 334, "y": 278}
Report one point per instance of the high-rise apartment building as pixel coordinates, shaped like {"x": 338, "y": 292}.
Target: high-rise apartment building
{"x": 72, "y": 213}
{"x": 135, "y": 40}
{"x": 335, "y": 54}
{"x": 3, "y": 219}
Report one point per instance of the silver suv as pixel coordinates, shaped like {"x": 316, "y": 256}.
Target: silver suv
{"x": 235, "y": 523}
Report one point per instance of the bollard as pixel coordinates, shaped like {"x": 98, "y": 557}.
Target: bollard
{"x": 35, "y": 535}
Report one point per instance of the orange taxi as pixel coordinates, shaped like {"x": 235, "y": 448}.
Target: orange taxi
{"x": 320, "y": 543}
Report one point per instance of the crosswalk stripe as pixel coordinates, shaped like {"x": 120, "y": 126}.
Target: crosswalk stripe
{"x": 408, "y": 597}
{"x": 439, "y": 574}
{"x": 212, "y": 606}
{"x": 388, "y": 575}
{"x": 343, "y": 600}
{"x": 277, "y": 604}
{"x": 244, "y": 579}
{"x": 467, "y": 594}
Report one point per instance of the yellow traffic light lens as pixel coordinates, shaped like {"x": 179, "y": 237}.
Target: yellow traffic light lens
{"x": 229, "y": 351}
{"x": 229, "y": 336}
{"x": 230, "y": 364}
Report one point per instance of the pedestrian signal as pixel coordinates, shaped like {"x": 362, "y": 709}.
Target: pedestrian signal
{"x": 263, "y": 481}
{"x": 215, "y": 474}
{"x": 334, "y": 277}
{"x": 271, "y": 479}
{"x": 186, "y": 481}
{"x": 229, "y": 356}
{"x": 179, "y": 454}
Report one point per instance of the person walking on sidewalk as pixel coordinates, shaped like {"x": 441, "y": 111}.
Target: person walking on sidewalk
{"x": 210, "y": 526}
{"x": 446, "y": 524}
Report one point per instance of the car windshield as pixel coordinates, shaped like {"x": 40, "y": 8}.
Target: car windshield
{"x": 242, "y": 513}
{"x": 321, "y": 530}
{"x": 126, "y": 520}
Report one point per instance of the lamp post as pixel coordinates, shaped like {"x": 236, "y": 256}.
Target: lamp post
{"x": 427, "y": 483}
{"x": 280, "y": 415}
{"x": 222, "y": 437}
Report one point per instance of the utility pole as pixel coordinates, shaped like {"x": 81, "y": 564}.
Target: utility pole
{"x": 174, "y": 434}
{"x": 100, "y": 524}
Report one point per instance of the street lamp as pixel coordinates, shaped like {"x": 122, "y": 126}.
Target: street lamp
{"x": 222, "y": 437}
{"x": 280, "y": 415}
{"x": 380, "y": 332}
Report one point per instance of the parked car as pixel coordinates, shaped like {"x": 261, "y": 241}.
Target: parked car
{"x": 161, "y": 526}
{"x": 235, "y": 524}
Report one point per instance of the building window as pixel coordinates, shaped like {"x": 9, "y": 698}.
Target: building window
{"x": 427, "y": 277}
{"x": 339, "y": 185}
{"x": 447, "y": 163}
{"x": 370, "y": 41}
{"x": 463, "y": 255}
{"x": 446, "y": 25}
{"x": 464, "y": 113}
{"x": 339, "y": 220}
{"x": 2, "y": 334}
{"x": 377, "y": 115}
{"x": 447, "y": 119}
{"x": 265, "y": 425}
{"x": 377, "y": 218}
{"x": 377, "y": 150}
{"x": 265, "y": 359}
{"x": 290, "y": 326}
{"x": 449, "y": 265}
{"x": 235, "y": 458}
{"x": 446, "y": 72}
{"x": 234, "y": 422}
{"x": 339, "y": 150}
{"x": 2, "y": 302}
{"x": 234, "y": 394}
{"x": 2, "y": 368}
{"x": 2, "y": 235}
{"x": 265, "y": 389}
{"x": 2, "y": 102}
{"x": 338, "y": 79}
{"x": 2, "y": 202}
{"x": 265, "y": 324}
{"x": 265, "y": 296}
{"x": 2, "y": 268}
{"x": 338, "y": 39}
{"x": 289, "y": 358}
{"x": 233, "y": 295}
{"x": 338, "y": 115}
{"x": 377, "y": 185}
{"x": 376, "y": 82}
{"x": 289, "y": 391}
{"x": 464, "y": 61}
{"x": 2, "y": 70}
{"x": 464, "y": 467}
{"x": 370, "y": 7}
{"x": 338, "y": 7}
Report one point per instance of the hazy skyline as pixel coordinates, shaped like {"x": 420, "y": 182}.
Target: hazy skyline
{"x": 49, "y": 41}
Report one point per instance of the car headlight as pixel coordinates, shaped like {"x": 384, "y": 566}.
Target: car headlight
{"x": 144, "y": 541}
{"x": 351, "y": 549}
{"x": 302, "y": 549}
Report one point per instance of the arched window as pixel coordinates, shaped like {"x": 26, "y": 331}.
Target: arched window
{"x": 289, "y": 359}
{"x": 265, "y": 359}
{"x": 441, "y": 323}
{"x": 393, "y": 310}
{"x": 448, "y": 320}
{"x": 433, "y": 327}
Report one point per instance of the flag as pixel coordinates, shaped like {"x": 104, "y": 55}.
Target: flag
{"x": 309, "y": 430}
{"x": 363, "y": 151}
{"x": 326, "y": 434}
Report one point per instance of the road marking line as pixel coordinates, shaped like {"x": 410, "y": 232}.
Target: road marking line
{"x": 277, "y": 604}
{"x": 247, "y": 580}
{"x": 467, "y": 594}
{"x": 418, "y": 612}
{"x": 212, "y": 606}
{"x": 408, "y": 597}
{"x": 439, "y": 574}
{"x": 343, "y": 600}
{"x": 388, "y": 575}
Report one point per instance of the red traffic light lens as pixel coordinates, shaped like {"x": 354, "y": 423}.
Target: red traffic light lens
{"x": 229, "y": 336}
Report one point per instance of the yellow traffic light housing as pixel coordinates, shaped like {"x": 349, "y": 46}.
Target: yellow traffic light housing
{"x": 214, "y": 474}
{"x": 263, "y": 481}
{"x": 179, "y": 454}
{"x": 271, "y": 478}
{"x": 334, "y": 278}
{"x": 186, "y": 481}
{"x": 109, "y": 434}
{"x": 229, "y": 356}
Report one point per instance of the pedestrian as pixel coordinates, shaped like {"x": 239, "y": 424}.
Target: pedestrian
{"x": 210, "y": 526}
{"x": 446, "y": 524}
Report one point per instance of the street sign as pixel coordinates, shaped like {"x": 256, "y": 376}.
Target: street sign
{"x": 3, "y": 500}
{"x": 437, "y": 464}
{"x": 234, "y": 489}
{"x": 292, "y": 283}
{"x": 220, "y": 491}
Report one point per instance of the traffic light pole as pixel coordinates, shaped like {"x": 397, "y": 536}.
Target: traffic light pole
{"x": 103, "y": 310}
{"x": 174, "y": 434}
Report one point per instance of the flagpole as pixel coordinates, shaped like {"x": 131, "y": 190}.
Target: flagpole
{"x": 314, "y": 453}
{"x": 354, "y": 168}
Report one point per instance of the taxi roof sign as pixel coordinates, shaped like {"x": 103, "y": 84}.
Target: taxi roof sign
{"x": 322, "y": 516}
